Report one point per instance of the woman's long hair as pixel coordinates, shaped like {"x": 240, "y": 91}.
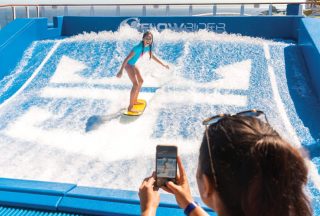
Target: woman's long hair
{"x": 257, "y": 172}
{"x": 145, "y": 35}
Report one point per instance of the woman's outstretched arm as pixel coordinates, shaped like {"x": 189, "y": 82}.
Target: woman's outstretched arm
{"x": 160, "y": 62}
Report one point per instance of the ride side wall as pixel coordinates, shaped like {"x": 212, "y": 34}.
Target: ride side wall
{"x": 309, "y": 43}
{"x": 17, "y": 36}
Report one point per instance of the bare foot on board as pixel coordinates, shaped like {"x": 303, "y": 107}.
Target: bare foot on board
{"x": 130, "y": 109}
{"x": 138, "y": 103}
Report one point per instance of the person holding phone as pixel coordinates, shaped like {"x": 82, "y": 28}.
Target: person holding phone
{"x": 244, "y": 168}
{"x": 129, "y": 63}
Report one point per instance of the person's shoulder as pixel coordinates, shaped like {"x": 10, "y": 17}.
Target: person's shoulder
{"x": 139, "y": 45}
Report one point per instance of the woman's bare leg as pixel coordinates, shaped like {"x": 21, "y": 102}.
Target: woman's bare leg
{"x": 131, "y": 73}
{"x": 140, "y": 82}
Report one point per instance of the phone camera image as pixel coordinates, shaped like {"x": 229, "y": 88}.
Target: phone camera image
{"x": 166, "y": 164}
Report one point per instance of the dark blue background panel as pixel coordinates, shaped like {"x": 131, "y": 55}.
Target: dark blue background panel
{"x": 264, "y": 26}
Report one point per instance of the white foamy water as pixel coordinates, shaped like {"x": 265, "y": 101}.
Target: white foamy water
{"x": 65, "y": 122}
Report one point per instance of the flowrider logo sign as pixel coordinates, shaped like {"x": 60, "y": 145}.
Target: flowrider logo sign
{"x": 184, "y": 26}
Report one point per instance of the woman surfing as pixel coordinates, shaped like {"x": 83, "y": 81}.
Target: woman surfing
{"x": 133, "y": 71}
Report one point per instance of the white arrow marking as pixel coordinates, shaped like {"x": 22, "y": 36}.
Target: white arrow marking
{"x": 67, "y": 70}
{"x": 168, "y": 97}
{"x": 234, "y": 76}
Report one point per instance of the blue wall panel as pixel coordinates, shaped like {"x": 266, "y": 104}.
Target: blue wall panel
{"x": 262, "y": 26}
{"x": 32, "y": 194}
{"x": 293, "y": 9}
{"x": 29, "y": 200}
{"x": 309, "y": 41}
{"x": 18, "y": 35}
{"x": 39, "y": 186}
{"x": 100, "y": 201}
{"x": 102, "y": 207}
{"x": 77, "y": 199}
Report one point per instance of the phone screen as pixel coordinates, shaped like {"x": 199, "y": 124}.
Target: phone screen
{"x": 166, "y": 164}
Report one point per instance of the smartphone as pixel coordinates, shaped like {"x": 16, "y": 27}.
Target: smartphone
{"x": 166, "y": 164}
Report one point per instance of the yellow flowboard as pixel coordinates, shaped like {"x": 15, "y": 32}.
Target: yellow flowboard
{"x": 139, "y": 108}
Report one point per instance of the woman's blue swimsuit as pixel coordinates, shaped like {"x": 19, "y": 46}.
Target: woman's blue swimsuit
{"x": 137, "y": 53}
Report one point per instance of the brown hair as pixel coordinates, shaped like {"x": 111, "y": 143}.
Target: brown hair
{"x": 145, "y": 35}
{"x": 257, "y": 172}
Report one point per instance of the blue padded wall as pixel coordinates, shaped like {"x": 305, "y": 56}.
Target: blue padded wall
{"x": 62, "y": 197}
{"x": 32, "y": 194}
{"x": 18, "y": 35}
{"x": 309, "y": 41}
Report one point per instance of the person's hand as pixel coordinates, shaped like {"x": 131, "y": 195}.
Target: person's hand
{"x": 149, "y": 196}
{"x": 119, "y": 74}
{"x": 181, "y": 190}
{"x": 167, "y": 66}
